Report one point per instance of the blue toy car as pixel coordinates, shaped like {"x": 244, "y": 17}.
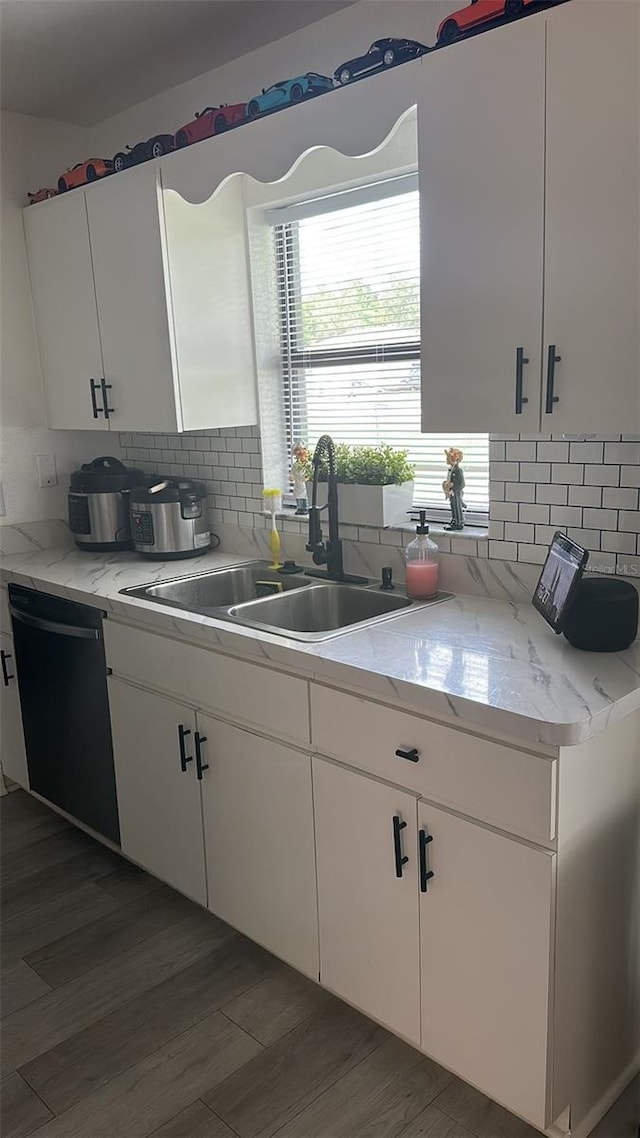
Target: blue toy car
{"x": 289, "y": 91}
{"x": 381, "y": 54}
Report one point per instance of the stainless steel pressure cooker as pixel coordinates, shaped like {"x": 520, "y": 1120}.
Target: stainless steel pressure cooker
{"x": 168, "y": 519}
{"x": 98, "y": 504}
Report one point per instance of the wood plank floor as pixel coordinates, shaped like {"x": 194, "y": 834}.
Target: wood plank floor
{"x": 129, "y": 1012}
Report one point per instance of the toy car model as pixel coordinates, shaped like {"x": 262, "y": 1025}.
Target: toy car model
{"x": 42, "y": 195}
{"x": 289, "y": 91}
{"x": 382, "y": 53}
{"x": 143, "y": 152}
{"x": 84, "y": 172}
{"x": 476, "y": 13}
{"x": 212, "y": 120}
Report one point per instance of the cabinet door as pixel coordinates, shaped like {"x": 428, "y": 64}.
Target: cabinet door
{"x": 12, "y": 754}
{"x": 127, "y": 242}
{"x": 592, "y": 269}
{"x": 485, "y": 935}
{"x": 64, "y": 302}
{"x": 258, "y": 824}
{"x": 369, "y": 943}
{"x": 158, "y": 802}
{"x": 481, "y": 161}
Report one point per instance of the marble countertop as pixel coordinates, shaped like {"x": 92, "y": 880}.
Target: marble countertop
{"x": 488, "y": 664}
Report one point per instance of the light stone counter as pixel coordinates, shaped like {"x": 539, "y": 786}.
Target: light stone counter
{"x": 491, "y": 665}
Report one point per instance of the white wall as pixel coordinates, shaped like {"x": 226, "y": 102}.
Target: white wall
{"x": 319, "y": 47}
{"x": 34, "y": 152}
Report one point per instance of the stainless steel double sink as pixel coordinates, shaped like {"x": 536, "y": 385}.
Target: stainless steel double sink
{"x": 293, "y": 605}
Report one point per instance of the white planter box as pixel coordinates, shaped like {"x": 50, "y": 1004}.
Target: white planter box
{"x": 376, "y": 506}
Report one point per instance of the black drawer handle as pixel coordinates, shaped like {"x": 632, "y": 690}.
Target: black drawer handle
{"x": 398, "y": 826}
{"x": 425, "y": 873}
{"x": 521, "y": 360}
{"x": 6, "y": 675}
{"x": 200, "y": 766}
{"x": 184, "y": 757}
{"x": 94, "y": 404}
{"x": 412, "y": 754}
{"x": 552, "y": 360}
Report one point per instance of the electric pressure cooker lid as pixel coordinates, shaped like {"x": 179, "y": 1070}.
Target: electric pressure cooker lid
{"x": 161, "y": 490}
{"x": 105, "y": 475}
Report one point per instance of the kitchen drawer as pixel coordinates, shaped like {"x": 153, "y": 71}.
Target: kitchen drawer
{"x": 489, "y": 781}
{"x": 246, "y": 693}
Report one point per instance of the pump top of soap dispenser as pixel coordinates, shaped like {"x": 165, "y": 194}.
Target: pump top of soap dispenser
{"x": 419, "y": 516}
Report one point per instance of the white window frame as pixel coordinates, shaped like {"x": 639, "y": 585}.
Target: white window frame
{"x": 282, "y": 220}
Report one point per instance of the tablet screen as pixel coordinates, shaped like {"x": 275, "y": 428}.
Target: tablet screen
{"x": 560, "y": 574}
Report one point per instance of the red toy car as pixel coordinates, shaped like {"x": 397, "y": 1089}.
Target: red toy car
{"x": 212, "y": 120}
{"x": 476, "y": 13}
{"x": 42, "y": 195}
{"x": 84, "y": 172}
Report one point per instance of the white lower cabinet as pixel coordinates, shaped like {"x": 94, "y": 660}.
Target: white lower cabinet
{"x": 485, "y": 946}
{"x": 258, "y": 824}
{"x": 159, "y": 801}
{"x": 366, "y": 839}
{"x": 12, "y": 753}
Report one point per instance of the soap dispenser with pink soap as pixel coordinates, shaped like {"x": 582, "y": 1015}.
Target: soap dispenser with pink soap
{"x": 422, "y": 567}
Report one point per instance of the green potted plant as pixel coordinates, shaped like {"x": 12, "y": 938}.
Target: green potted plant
{"x": 375, "y": 484}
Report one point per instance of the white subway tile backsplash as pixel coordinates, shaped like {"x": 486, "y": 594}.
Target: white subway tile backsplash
{"x": 599, "y": 519}
{"x": 521, "y": 452}
{"x": 552, "y": 495}
{"x": 630, "y": 475}
{"x": 629, "y": 521}
{"x": 535, "y": 471}
{"x": 618, "y": 542}
{"x": 620, "y": 498}
{"x": 507, "y": 512}
{"x": 538, "y": 484}
{"x": 520, "y": 491}
{"x": 567, "y": 473}
{"x": 566, "y": 516}
{"x": 622, "y": 453}
{"x": 585, "y": 495}
{"x": 553, "y": 452}
{"x": 518, "y": 531}
{"x": 602, "y": 475}
{"x": 586, "y": 452}
{"x": 533, "y": 513}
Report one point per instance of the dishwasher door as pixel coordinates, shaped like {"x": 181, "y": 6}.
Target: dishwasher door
{"x": 62, "y": 678}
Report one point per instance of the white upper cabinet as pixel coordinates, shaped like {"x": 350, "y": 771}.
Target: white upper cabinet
{"x": 592, "y": 222}
{"x": 153, "y": 306}
{"x": 480, "y": 152}
{"x": 528, "y": 149}
{"x": 132, "y": 291}
{"x": 64, "y": 300}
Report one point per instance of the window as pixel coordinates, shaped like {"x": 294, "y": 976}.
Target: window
{"x": 349, "y": 294}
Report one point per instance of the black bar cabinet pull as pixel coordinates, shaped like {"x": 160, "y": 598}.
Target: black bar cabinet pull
{"x": 412, "y": 754}
{"x": 521, "y": 360}
{"x": 552, "y": 360}
{"x": 398, "y": 826}
{"x": 425, "y": 874}
{"x": 105, "y": 398}
{"x": 200, "y": 766}
{"x": 184, "y": 757}
{"x": 94, "y": 404}
{"x": 6, "y": 675}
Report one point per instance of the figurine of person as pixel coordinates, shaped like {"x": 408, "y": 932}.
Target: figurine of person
{"x": 453, "y": 487}
{"x": 299, "y": 468}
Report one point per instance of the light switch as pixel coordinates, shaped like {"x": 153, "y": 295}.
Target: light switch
{"x": 46, "y": 467}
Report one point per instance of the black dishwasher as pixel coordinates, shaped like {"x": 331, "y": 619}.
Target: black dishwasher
{"x": 62, "y": 678}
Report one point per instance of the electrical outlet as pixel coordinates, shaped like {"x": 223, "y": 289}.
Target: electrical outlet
{"x": 46, "y": 467}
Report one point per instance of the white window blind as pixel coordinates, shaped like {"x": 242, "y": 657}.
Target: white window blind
{"x": 349, "y": 292}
